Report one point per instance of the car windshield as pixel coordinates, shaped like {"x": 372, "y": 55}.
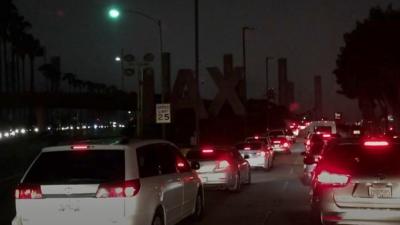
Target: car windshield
{"x": 364, "y": 160}
{"x": 323, "y": 129}
{"x": 206, "y": 156}
{"x": 249, "y": 146}
{"x": 276, "y": 133}
{"x": 77, "y": 167}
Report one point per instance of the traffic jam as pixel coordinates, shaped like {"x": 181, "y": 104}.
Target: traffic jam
{"x": 352, "y": 175}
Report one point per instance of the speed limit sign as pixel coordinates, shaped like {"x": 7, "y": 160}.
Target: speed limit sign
{"x": 163, "y": 113}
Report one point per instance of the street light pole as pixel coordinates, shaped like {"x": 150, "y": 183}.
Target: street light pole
{"x": 196, "y": 56}
{"x": 114, "y": 13}
{"x": 244, "y": 29}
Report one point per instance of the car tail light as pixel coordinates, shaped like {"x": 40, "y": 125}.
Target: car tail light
{"x": 332, "y": 179}
{"x": 26, "y": 191}
{"x": 286, "y": 145}
{"x": 222, "y": 165}
{"x": 207, "y": 151}
{"x": 326, "y": 135}
{"x": 308, "y": 142}
{"x": 247, "y": 148}
{"x": 256, "y": 137}
{"x": 317, "y": 158}
{"x": 125, "y": 189}
{"x": 376, "y": 143}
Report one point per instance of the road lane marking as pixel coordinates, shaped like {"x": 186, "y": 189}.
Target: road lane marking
{"x": 267, "y": 217}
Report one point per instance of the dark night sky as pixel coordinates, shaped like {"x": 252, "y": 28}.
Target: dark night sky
{"x": 308, "y": 32}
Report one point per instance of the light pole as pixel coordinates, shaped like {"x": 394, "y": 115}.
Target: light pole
{"x": 197, "y": 71}
{"x": 115, "y": 13}
{"x": 244, "y": 29}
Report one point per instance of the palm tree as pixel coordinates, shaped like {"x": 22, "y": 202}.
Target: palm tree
{"x": 7, "y": 12}
{"x": 52, "y": 75}
{"x": 70, "y": 78}
{"x": 34, "y": 50}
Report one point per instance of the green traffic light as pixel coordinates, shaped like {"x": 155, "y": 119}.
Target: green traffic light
{"x": 114, "y": 13}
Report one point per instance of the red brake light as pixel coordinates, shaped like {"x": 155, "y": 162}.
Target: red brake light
{"x": 207, "y": 151}
{"x": 376, "y": 143}
{"x": 256, "y": 137}
{"x": 308, "y": 142}
{"x": 80, "y": 147}
{"x": 286, "y": 145}
{"x": 26, "y": 191}
{"x": 333, "y": 179}
{"x": 125, "y": 189}
{"x": 247, "y": 148}
{"x": 326, "y": 135}
{"x": 180, "y": 164}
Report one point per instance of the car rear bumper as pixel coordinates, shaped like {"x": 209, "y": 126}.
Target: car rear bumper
{"x": 331, "y": 213}
{"x": 216, "y": 179}
{"x": 258, "y": 162}
{"x": 280, "y": 149}
{"x": 81, "y": 221}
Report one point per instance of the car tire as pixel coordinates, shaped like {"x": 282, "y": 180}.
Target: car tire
{"x": 198, "y": 213}
{"x": 158, "y": 217}
{"x": 248, "y": 178}
{"x": 238, "y": 184}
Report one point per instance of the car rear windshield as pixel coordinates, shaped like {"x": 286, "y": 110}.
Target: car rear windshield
{"x": 276, "y": 133}
{"x": 249, "y": 146}
{"x": 323, "y": 129}
{"x": 202, "y": 156}
{"x": 77, "y": 167}
{"x": 362, "y": 160}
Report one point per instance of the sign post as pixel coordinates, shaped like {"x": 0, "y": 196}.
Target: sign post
{"x": 163, "y": 113}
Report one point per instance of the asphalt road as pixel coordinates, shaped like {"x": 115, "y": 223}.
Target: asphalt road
{"x": 274, "y": 197}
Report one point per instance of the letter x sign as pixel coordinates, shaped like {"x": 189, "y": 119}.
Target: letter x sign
{"x": 227, "y": 91}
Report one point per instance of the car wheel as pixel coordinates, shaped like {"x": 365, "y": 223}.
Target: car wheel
{"x": 158, "y": 218}
{"x": 198, "y": 208}
{"x": 248, "y": 178}
{"x": 237, "y": 186}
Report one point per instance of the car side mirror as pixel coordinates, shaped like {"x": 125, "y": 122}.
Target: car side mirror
{"x": 195, "y": 165}
{"x": 246, "y": 157}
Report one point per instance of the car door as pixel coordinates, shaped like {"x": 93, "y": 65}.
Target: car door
{"x": 172, "y": 188}
{"x": 190, "y": 183}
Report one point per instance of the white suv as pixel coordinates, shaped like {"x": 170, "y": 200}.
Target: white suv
{"x": 146, "y": 183}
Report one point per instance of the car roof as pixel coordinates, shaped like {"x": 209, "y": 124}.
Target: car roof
{"x": 133, "y": 145}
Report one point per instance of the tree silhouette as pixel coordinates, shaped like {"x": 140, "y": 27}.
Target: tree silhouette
{"x": 368, "y": 67}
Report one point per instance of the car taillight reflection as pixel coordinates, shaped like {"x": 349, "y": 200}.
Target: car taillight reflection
{"x": 329, "y": 179}
{"x": 26, "y": 191}
{"x": 125, "y": 189}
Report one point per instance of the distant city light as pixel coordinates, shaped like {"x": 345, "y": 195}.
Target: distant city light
{"x": 36, "y": 130}
{"x": 6, "y": 134}
{"x": 118, "y": 59}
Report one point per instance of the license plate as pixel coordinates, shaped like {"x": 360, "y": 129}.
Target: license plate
{"x": 69, "y": 206}
{"x": 380, "y": 192}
